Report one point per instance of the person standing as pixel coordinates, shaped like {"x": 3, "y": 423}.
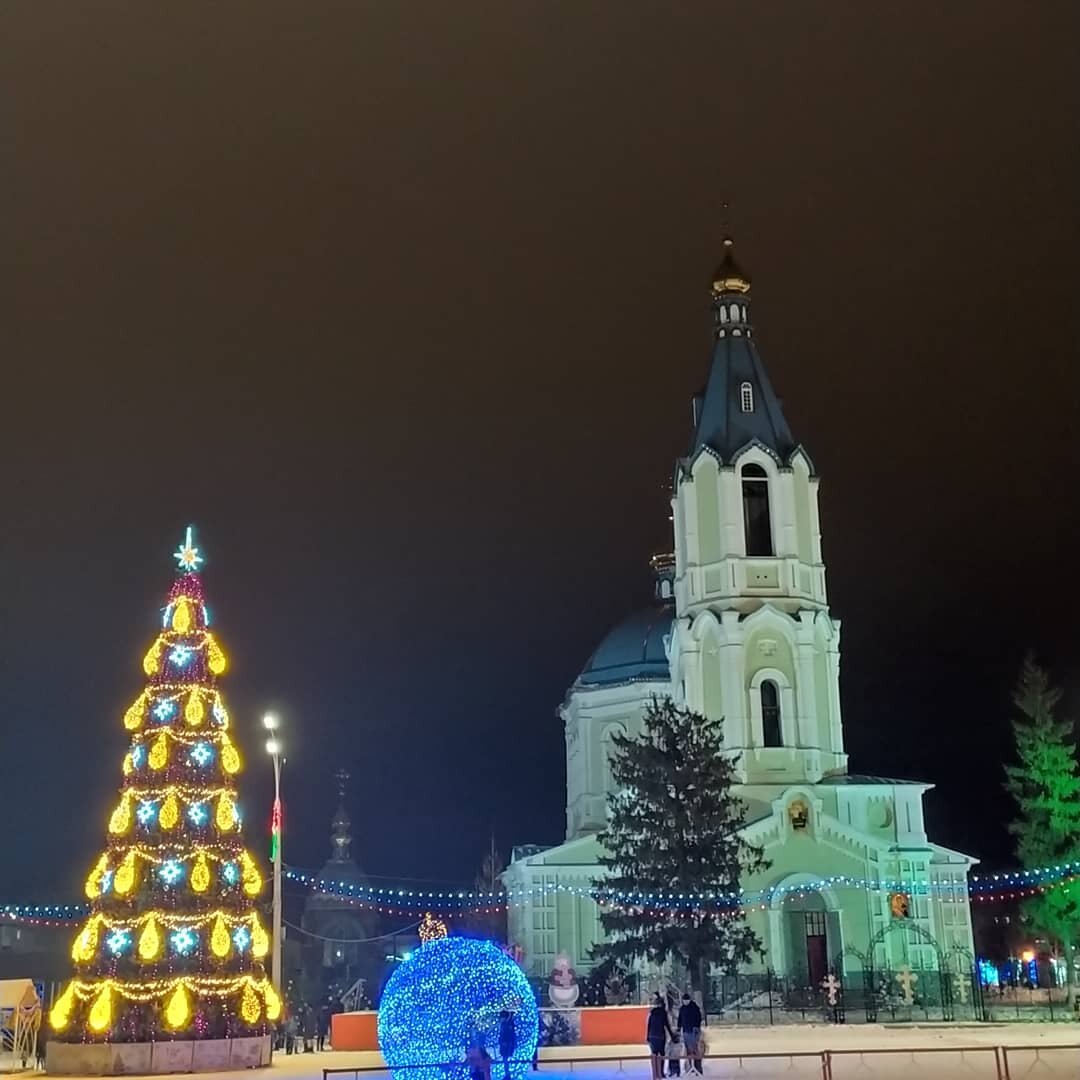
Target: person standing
{"x": 478, "y": 1060}
{"x": 323, "y": 1024}
{"x": 690, "y": 1027}
{"x": 507, "y": 1040}
{"x": 657, "y": 1030}
{"x": 308, "y": 1028}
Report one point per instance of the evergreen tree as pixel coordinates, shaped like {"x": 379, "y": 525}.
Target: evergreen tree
{"x": 173, "y": 946}
{"x": 1045, "y": 783}
{"x": 674, "y": 828}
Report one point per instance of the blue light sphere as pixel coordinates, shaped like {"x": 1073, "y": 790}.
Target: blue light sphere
{"x": 446, "y": 995}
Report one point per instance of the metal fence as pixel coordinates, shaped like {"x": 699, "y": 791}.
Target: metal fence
{"x": 871, "y": 995}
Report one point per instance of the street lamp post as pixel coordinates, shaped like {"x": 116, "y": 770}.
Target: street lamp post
{"x": 273, "y": 748}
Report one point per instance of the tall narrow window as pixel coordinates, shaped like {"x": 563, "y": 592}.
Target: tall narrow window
{"x": 746, "y": 397}
{"x": 771, "y": 729}
{"x": 755, "y": 502}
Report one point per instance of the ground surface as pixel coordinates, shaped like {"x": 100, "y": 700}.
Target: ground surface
{"x": 861, "y": 1052}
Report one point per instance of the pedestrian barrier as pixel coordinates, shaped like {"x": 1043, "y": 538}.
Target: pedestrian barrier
{"x": 1038, "y": 1051}
{"x": 826, "y": 1058}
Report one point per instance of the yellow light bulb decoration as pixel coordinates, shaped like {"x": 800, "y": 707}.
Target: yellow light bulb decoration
{"x": 150, "y": 940}
{"x": 181, "y": 620}
{"x": 260, "y": 939}
{"x": 214, "y": 656}
{"x": 250, "y": 1006}
{"x": 273, "y": 1001}
{"x": 230, "y": 758}
{"x": 60, "y": 1013}
{"x": 101, "y": 1011}
{"x": 159, "y": 752}
{"x": 178, "y": 1009}
{"x": 200, "y": 873}
{"x": 226, "y": 812}
{"x": 85, "y": 945}
{"x": 129, "y": 765}
{"x": 170, "y": 812}
{"x": 124, "y": 881}
{"x": 220, "y": 942}
{"x": 152, "y": 660}
{"x": 193, "y": 710}
{"x": 120, "y": 820}
{"x": 249, "y": 875}
{"x": 135, "y": 714}
{"x": 93, "y": 882}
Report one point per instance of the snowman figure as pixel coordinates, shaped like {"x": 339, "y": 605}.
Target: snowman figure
{"x": 563, "y": 986}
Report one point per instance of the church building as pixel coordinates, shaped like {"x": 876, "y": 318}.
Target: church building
{"x": 741, "y": 630}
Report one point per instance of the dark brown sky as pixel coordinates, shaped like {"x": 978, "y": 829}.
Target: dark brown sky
{"x": 404, "y": 303}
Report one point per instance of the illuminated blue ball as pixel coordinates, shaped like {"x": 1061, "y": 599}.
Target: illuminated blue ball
{"x": 447, "y": 994}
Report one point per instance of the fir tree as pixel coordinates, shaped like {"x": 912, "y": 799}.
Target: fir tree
{"x": 1045, "y": 783}
{"x": 173, "y": 946}
{"x": 674, "y": 827}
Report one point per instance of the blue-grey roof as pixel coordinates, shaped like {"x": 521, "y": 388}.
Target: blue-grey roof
{"x": 722, "y": 425}
{"x": 634, "y": 649}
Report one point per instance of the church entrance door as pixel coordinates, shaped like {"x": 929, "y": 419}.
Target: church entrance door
{"x": 817, "y": 948}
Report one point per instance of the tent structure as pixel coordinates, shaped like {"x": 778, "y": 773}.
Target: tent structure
{"x": 20, "y": 1018}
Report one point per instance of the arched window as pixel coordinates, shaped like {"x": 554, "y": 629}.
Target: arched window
{"x": 733, "y": 311}
{"x": 771, "y": 729}
{"x": 723, "y": 314}
{"x": 746, "y": 397}
{"x": 755, "y": 501}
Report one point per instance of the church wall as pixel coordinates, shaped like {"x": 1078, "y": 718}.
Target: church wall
{"x": 776, "y": 655}
{"x": 823, "y": 732}
{"x": 710, "y": 547}
{"x": 712, "y": 683}
{"x": 800, "y": 475}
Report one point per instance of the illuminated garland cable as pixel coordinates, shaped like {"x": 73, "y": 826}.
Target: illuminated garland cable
{"x": 62, "y": 914}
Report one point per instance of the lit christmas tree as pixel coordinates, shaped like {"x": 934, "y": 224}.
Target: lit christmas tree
{"x": 173, "y": 946}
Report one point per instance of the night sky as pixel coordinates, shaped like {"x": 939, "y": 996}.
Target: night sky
{"x": 403, "y": 305}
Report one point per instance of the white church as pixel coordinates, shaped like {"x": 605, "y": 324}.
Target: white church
{"x": 741, "y": 629}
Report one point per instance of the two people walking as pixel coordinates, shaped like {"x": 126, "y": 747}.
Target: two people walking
{"x": 660, "y": 1034}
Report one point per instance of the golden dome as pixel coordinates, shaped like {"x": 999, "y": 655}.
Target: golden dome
{"x": 729, "y": 276}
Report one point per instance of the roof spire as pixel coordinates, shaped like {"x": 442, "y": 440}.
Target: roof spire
{"x": 340, "y": 837}
{"x": 738, "y": 405}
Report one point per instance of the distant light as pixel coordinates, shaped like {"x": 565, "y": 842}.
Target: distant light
{"x": 270, "y": 722}
{"x": 273, "y": 747}
{"x": 1027, "y": 955}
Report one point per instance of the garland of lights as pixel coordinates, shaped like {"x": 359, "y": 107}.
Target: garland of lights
{"x": 987, "y": 891}
{"x": 173, "y": 942}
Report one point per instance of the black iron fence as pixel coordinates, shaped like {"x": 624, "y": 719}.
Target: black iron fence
{"x": 868, "y": 995}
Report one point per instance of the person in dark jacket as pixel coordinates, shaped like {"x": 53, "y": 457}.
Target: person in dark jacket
{"x": 309, "y": 1027}
{"x": 507, "y": 1040}
{"x": 323, "y": 1024}
{"x": 690, "y": 1028}
{"x": 657, "y": 1031}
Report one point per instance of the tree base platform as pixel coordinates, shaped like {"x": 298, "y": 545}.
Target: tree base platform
{"x": 181, "y": 1056}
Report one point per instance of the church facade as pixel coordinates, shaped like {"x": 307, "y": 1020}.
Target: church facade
{"x": 741, "y": 630}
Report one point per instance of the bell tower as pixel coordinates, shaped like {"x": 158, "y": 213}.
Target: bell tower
{"x": 755, "y": 642}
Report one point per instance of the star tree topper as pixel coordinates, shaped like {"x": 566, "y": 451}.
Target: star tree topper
{"x": 187, "y": 554}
